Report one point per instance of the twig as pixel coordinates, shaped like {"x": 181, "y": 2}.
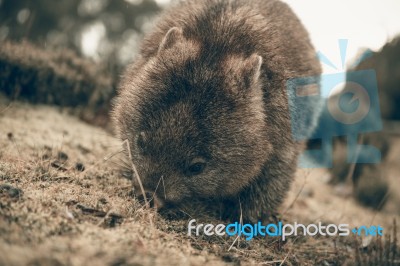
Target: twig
{"x": 162, "y": 178}
{"x": 298, "y": 194}
{"x": 241, "y": 222}
{"x": 287, "y": 255}
{"x": 229, "y": 249}
{"x": 136, "y": 174}
{"x": 241, "y": 216}
{"x": 380, "y": 206}
{"x": 104, "y": 218}
{"x": 6, "y": 108}
{"x": 271, "y": 262}
{"x": 105, "y": 159}
{"x": 349, "y": 177}
{"x": 186, "y": 213}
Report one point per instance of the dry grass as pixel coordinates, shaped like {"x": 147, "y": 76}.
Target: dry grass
{"x": 63, "y": 202}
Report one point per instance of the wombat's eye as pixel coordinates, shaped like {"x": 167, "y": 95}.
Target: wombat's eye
{"x": 196, "y": 167}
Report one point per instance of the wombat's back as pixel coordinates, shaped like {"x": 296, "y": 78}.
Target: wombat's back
{"x": 268, "y": 28}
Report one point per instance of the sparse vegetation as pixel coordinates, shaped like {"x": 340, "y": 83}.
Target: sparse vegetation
{"x": 52, "y": 213}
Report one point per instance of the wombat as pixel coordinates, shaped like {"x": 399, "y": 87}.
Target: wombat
{"x": 205, "y": 108}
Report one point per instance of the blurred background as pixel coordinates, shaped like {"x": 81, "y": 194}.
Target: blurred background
{"x": 365, "y": 24}
{"x": 106, "y": 30}
{"x": 103, "y": 30}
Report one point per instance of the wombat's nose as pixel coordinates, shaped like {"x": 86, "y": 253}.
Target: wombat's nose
{"x": 151, "y": 198}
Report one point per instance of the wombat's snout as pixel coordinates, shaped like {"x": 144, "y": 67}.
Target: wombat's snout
{"x": 150, "y": 190}
{"x": 151, "y": 197}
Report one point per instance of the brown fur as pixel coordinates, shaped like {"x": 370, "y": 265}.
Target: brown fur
{"x": 209, "y": 87}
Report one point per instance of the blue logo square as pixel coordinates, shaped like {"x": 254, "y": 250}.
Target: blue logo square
{"x": 350, "y": 106}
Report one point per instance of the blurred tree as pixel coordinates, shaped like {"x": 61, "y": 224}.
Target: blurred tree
{"x": 105, "y": 30}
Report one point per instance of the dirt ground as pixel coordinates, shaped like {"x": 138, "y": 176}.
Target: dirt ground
{"x": 64, "y": 202}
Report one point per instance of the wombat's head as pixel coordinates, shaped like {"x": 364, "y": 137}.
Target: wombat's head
{"x": 194, "y": 120}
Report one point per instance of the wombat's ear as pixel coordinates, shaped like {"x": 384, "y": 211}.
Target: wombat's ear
{"x": 173, "y": 36}
{"x": 252, "y": 69}
{"x": 243, "y": 73}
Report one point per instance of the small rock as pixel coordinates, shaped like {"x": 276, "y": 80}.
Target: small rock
{"x": 62, "y": 156}
{"x": 47, "y": 148}
{"x": 80, "y": 167}
{"x": 103, "y": 201}
{"x": 58, "y": 166}
{"x": 10, "y": 191}
{"x": 45, "y": 156}
{"x": 83, "y": 149}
